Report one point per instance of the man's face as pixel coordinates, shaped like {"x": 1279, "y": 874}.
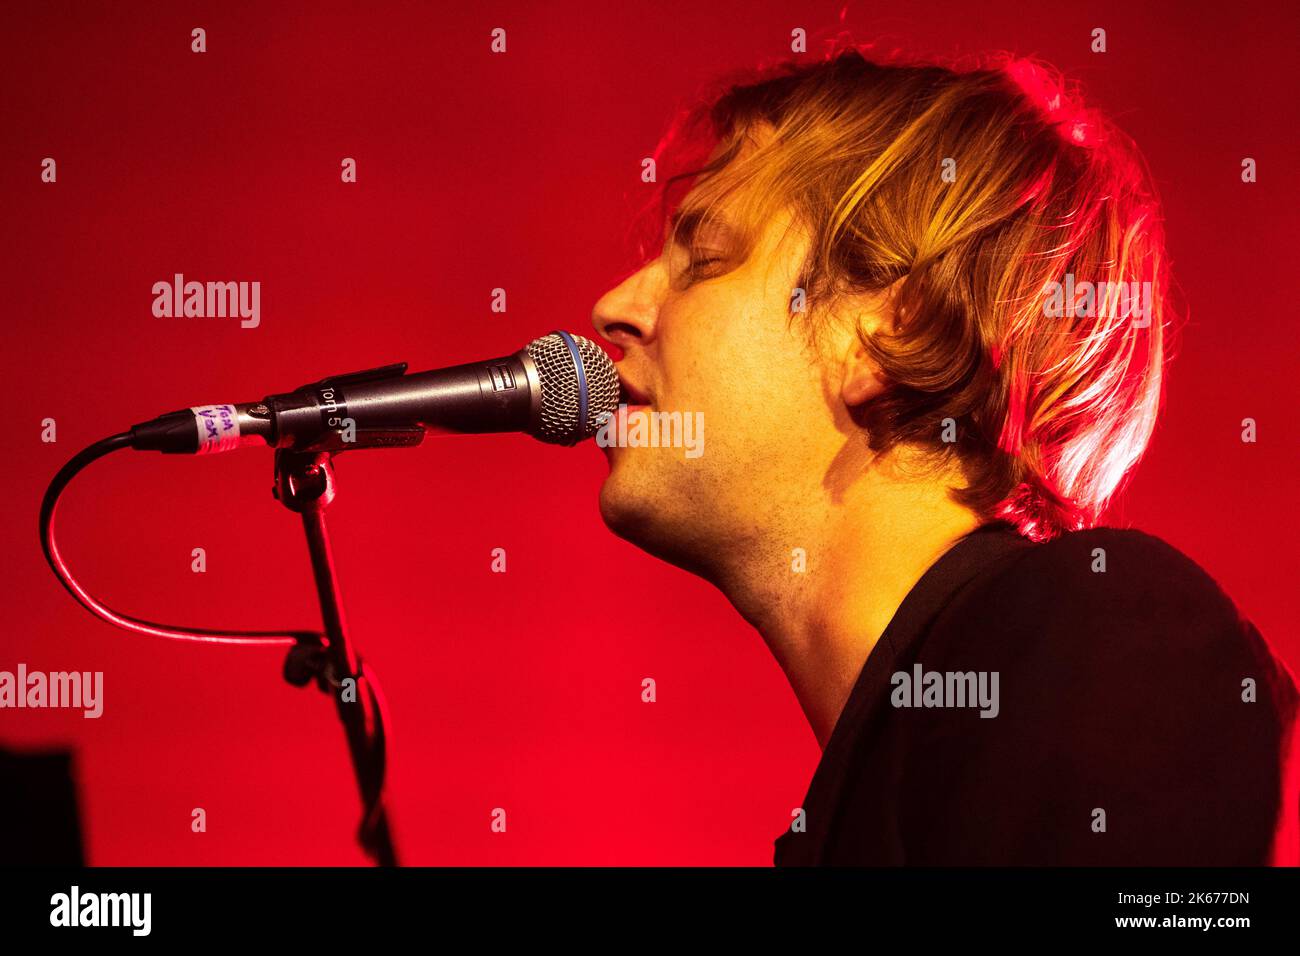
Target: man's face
{"x": 697, "y": 340}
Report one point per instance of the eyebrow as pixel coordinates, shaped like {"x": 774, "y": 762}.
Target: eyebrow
{"x": 684, "y": 226}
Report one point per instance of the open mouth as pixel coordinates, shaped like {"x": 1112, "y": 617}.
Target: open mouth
{"x": 631, "y": 403}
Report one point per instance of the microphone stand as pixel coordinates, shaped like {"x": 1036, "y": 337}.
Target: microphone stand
{"x": 304, "y": 483}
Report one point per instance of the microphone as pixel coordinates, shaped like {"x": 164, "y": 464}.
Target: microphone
{"x": 559, "y": 388}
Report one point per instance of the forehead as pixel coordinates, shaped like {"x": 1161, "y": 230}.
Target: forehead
{"x": 726, "y": 209}
{"x": 736, "y": 228}
{"x": 702, "y": 206}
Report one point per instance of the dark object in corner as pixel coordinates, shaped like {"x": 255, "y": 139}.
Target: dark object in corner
{"x": 39, "y": 820}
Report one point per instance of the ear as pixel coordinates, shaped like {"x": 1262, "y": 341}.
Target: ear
{"x": 860, "y": 377}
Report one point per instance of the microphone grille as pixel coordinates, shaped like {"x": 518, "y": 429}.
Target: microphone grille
{"x": 579, "y": 387}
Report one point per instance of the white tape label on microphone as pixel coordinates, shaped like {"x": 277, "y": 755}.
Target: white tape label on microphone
{"x": 218, "y": 428}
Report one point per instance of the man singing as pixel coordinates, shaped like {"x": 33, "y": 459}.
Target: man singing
{"x": 922, "y": 314}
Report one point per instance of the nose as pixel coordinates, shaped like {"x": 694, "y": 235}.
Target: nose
{"x": 628, "y": 313}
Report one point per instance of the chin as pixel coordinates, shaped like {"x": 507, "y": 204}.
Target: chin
{"x": 641, "y": 513}
{"x": 624, "y": 511}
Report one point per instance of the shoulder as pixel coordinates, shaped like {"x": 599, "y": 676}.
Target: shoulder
{"x": 1126, "y": 682}
{"x": 1107, "y": 584}
{"x": 1114, "y": 562}
{"x": 1113, "y": 612}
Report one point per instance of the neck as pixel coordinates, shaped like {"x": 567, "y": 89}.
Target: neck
{"x": 866, "y": 547}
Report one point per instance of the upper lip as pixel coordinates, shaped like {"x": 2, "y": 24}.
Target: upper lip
{"x": 629, "y": 394}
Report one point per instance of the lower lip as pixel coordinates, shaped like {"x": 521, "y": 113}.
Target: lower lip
{"x": 624, "y": 413}
{"x": 620, "y": 425}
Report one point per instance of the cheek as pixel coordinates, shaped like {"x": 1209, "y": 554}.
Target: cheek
{"x": 732, "y": 350}
{"x": 757, "y": 405}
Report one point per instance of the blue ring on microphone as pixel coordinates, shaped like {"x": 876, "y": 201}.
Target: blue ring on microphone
{"x": 582, "y": 382}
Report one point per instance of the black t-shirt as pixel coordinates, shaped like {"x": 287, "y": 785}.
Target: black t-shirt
{"x": 1132, "y": 718}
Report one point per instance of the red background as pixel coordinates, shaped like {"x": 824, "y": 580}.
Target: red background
{"x": 520, "y": 690}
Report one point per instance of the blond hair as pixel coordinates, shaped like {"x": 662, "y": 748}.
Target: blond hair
{"x": 963, "y": 194}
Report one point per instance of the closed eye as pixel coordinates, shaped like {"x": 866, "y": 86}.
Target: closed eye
{"x": 700, "y": 264}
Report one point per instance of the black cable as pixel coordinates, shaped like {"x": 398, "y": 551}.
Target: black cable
{"x": 49, "y": 504}
{"x": 308, "y": 645}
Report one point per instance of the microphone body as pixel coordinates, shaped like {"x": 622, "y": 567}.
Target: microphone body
{"x": 558, "y": 389}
